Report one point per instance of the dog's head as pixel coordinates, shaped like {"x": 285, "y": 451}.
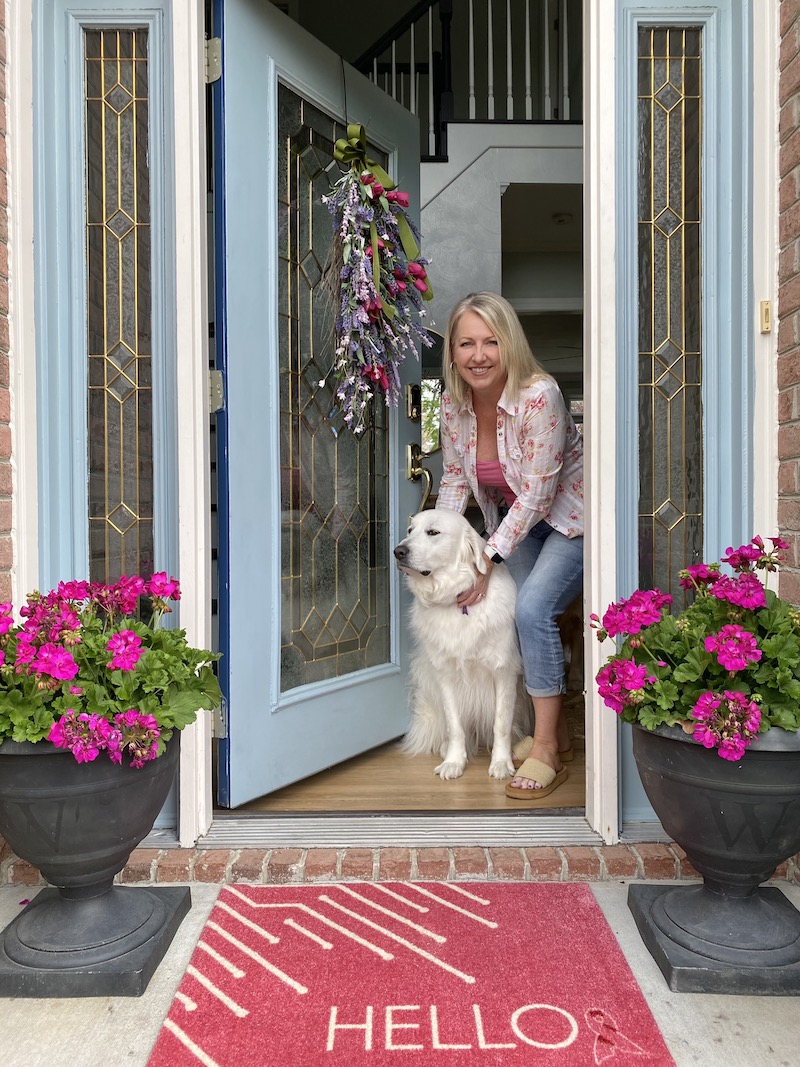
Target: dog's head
{"x": 442, "y": 547}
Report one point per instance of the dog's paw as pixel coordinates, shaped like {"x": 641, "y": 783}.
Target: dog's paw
{"x": 502, "y": 768}
{"x": 450, "y": 769}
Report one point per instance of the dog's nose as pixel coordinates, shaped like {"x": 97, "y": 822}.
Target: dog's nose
{"x": 401, "y": 553}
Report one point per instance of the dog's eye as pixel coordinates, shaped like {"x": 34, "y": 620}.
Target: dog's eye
{"x": 432, "y": 533}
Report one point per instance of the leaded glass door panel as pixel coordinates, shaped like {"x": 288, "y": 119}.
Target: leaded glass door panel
{"x": 314, "y": 650}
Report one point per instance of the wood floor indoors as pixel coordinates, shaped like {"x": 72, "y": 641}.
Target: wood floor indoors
{"x": 385, "y": 779}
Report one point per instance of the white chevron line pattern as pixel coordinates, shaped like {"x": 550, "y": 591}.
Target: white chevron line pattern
{"x": 466, "y": 893}
{"x": 307, "y": 933}
{"x": 221, "y": 960}
{"x": 249, "y": 924}
{"x": 187, "y": 1042}
{"x": 393, "y": 915}
{"x": 455, "y": 907}
{"x": 259, "y": 959}
{"x": 187, "y": 1002}
{"x": 401, "y": 940}
{"x": 398, "y": 896}
{"x": 317, "y": 915}
{"x": 223, "y": 998}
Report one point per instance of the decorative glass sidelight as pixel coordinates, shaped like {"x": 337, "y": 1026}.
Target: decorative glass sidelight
{"x": 334, "y": 485}
{"x": 120, "y": 419}
{"x": 670, "y": 340}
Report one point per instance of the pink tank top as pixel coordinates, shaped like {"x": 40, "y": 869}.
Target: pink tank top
{"x": 491, "y": 476}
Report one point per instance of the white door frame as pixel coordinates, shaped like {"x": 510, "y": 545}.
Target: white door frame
{"x": 195, "y": 798}
{"x": 766, "y": 178}
{"x": 600, "y": 398}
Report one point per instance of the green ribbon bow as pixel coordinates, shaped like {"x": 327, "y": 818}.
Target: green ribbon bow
{"x": 353, "y": 150}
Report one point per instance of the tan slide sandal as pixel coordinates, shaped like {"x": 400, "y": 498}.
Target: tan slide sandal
{"x": 536, "y": 771}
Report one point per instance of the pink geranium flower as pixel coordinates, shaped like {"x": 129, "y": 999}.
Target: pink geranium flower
{"x": 164, "y": 588}
{"x": 618, "y": 680}
{"x": 125, "y": 649}
{"x": 641, "y": 609}
{"x": 735, "y": 647}
{"x": 744, "y": 590}
{"x": 698, "y": 575}
{"x": 54, "y": 660}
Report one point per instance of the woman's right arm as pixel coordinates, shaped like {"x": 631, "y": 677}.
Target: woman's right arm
{"x": 454, "y": 488}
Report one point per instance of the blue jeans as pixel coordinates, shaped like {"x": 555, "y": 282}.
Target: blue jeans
{"x": 548, "y": 569}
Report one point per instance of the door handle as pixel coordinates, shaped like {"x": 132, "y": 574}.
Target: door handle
{"x": 415, "y": 470}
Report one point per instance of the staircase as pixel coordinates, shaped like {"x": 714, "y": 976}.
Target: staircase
{"x": 496, "y": 61}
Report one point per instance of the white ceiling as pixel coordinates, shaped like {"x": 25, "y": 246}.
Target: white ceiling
{"x": 542, "y": 218}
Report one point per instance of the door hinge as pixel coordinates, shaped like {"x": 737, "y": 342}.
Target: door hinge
{"x": 219, "y": 720}
{"x": 213, "y": 59}
{"x": 216, "y": 391}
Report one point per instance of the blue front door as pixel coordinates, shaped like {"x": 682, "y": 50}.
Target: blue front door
{"x": 314, "y": 653}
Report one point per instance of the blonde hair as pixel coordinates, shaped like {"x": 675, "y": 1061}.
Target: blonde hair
{"x": 516, "y": 358}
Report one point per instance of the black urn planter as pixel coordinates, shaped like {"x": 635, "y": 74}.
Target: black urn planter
{"x": 736, "y": 821}
{"x": 78, "y": 823}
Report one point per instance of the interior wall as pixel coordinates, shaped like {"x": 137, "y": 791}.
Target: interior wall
{"x": 462, "y": 219}
{"x": 542, "y": 275}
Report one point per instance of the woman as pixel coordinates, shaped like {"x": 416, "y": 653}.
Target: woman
{"x": 508, "y": 439}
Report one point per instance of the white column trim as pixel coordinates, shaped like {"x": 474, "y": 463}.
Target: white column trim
{"x": 195, "y": 799}
{"x": 600, "y": 397}
{"x": 25, "y": 480}
{"x": 764, "y": 209}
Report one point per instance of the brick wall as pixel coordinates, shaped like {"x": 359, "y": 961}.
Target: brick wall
{"x": 789, "y": 299}
{"x": 5, "y": 396}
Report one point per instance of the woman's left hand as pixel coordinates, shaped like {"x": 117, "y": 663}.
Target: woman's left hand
{"x": 477, "y": 593}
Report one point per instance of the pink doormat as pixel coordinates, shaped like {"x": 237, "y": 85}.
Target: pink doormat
{"x": 419, "y": 973}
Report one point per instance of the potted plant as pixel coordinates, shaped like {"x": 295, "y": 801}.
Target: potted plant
{"x": 94, "y": 692}
{"x": 713, "y": 694}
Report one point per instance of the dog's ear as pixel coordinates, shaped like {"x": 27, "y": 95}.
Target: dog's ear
{"x": 477, "y": 545}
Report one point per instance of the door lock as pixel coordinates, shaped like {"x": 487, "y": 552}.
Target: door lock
{"x": 414, "y": 402}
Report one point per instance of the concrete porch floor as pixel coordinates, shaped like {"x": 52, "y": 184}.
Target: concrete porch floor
{"x": 701, "y": 1030}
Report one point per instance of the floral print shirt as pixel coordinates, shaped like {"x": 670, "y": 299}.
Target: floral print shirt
{"x": 541, "y": 456}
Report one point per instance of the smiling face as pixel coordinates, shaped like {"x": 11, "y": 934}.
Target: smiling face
{"x": 475, "y": 351}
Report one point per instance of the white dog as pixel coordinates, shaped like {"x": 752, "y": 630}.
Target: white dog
{"x": 466, "y": 668}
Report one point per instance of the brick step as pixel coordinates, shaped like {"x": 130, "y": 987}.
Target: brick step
{"x": 546, "y": 863}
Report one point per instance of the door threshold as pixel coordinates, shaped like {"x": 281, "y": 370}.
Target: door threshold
{"x": 400, "y": 830}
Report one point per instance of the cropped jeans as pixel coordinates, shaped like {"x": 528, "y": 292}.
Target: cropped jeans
{"x": 548, "y": 569}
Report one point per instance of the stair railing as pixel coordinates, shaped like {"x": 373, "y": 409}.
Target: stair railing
{"x": 453, "y": 61}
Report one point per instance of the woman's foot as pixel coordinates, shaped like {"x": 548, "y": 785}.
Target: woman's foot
{"x": 544, "y": 754}
{"x": 538, "y": 777}
{"x": 522, "y": 749}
